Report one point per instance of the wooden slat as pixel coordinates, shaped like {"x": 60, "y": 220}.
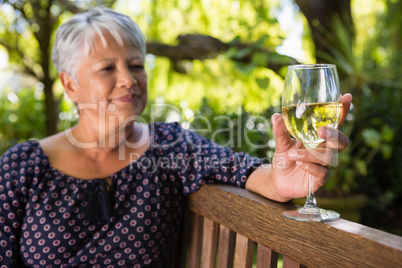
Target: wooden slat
{"x": 181, "y": 256}
{"x": 243, "y": 252}
{"x": 266, "y": 258}
{"x": 226, "y": 247}
{"x": 289, "y": 263}
{"x": 209, "y": 243}
{"x": 334, "y": 244}
{"x": 195, "y": 245}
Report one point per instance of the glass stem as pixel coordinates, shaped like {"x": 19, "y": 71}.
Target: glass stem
{"x": 310, "y": 206}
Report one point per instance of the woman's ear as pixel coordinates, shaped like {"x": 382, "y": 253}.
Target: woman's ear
{"x": 70, "y": 86}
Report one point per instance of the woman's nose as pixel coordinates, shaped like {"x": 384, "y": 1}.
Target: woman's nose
{"x": 126, "y": 78}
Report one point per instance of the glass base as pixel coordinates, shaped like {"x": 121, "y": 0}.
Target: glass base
{"x": 310, "y": 214}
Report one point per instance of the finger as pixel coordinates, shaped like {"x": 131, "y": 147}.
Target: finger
{"x": 335, "y": 139}
{"x": 321, "y": 156}
{"x": 320, "y": 173}
{"x": 346, "y": 102}
{"x": 281, "y": 134}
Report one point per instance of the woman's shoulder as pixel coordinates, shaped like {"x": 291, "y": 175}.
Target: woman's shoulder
{"x": 23, "y": 150}
{"x": 162, "y": 133}
{"x": 166, "y": 128}
{"x": 24, "y": 157}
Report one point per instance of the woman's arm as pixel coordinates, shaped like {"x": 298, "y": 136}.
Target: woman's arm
{"x": 15, "y": 166}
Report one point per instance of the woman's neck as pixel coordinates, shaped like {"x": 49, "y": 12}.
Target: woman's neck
{"x": 98, "y": 141}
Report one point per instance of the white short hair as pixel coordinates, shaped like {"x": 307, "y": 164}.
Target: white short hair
{"x": 75, "y": 37}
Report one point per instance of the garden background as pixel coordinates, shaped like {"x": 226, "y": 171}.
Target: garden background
{"x": 218, "y": 67}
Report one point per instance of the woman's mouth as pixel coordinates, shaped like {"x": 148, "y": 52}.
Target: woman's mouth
{"x": 129, "y": 98}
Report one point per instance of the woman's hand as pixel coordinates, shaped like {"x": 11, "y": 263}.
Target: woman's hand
{"x": 292, "y": 162}
{"x": 287, "y": 177}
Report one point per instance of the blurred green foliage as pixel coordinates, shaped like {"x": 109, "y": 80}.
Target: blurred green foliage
{"x": 362, "y": 73}
{"x": 21, "y": 117}
{"x": 369, "y": 66}
{"x": 256, "y": 87}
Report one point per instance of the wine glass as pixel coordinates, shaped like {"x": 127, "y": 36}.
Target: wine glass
{"x": 311, "y": 99}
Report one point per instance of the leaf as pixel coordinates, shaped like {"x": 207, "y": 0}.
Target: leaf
{"x": 280, "y": 59}
{"x": 241, "y": 53}
{"x": 263, "y": 82}
{"x": 387, "y": 133}
{"x": 260, "y": 58}
{"x": 372, "y": 137}
{"x": 230, "y": 53}
{"x": 361, "y": 166}
{"x": 245, "y": 68}
{"x": 386, "y": 151}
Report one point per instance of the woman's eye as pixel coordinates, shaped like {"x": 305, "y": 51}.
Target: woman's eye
{"x": 136, "y": 67}
{"x": 108, "y": 69}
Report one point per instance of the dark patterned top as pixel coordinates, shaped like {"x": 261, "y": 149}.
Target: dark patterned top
{"x": 49, "y": 219}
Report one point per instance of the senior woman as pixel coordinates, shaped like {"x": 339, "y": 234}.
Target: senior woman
{"x": 109, "y": 190}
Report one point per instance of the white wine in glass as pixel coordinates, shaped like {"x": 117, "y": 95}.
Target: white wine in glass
{"x": 311, "y": 99}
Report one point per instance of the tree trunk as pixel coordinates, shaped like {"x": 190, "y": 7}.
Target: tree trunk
{"x": 51, "y": 105}
{"x": 45, "y": 21}
{"x": 52, "y": 109}
{"x": 320, "y": 14}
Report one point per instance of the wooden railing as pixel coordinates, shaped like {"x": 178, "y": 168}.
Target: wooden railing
{"x": 226, "y": 225}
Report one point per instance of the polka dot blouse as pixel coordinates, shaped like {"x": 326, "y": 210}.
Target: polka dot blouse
{"x": 49, "y": 219}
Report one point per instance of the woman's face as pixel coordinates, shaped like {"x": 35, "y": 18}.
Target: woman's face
{"x": 111, "y": 81}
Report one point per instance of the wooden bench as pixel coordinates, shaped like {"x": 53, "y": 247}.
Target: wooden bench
{"x": 227, "y": 226}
